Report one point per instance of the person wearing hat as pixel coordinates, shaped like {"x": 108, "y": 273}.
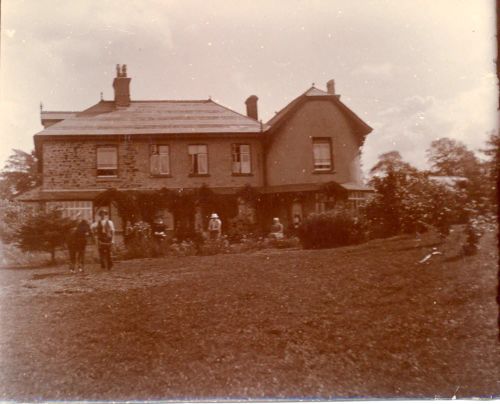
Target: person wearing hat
{"x": 104, "y": 231}
{"x": 214, "y": 226}
{"x": 159, "y": 235}
{"x": 276, "y": 229}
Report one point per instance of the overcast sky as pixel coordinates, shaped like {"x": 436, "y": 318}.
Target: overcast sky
{"x": 414, "y": 70}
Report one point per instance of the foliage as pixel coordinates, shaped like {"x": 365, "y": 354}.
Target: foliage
{"x": 406, "y": 200}
{"x": 213, "y": 247}
{"x": 249, "y": 194}
{"x": 12, "y": 215}
{"x": 330, "y": 229}
{"x": 391, "y": 162}
{"x": 451, "y": 157}
{"x": 474, "y": 230}
{"x": 491, "y": 167}
{"x": 182, "y": 248}
{"x": 136, "y": 206}
{"x": 44, "y": 231}
{"x": 20, "y": 174}
{"x": 240, "y": 227}
{"x": 138, "y": 240}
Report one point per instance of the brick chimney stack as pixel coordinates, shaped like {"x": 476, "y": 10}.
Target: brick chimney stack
{"x": 252, "y": 107}
{"x": 121, "y": 84}
{"x": 330, "y": 87}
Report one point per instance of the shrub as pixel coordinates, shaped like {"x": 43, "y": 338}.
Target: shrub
{"x": 213, "y": 247}
{"x": 138, "y": 241}
{"x": 241, "y": 227}
{"x": 12, "y": 216}
{"x": 288, "y": 242}
{"x": 330, "y": 229}
{"x": 475, "y": 228}
{"x": 44, "y": 231}
{"x": 182, "y": 248}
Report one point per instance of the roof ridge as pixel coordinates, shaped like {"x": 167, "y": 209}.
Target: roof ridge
{"x": 236, "y": 112}
{"x": 179, "y": 101}
{"x": 59, "y": 112}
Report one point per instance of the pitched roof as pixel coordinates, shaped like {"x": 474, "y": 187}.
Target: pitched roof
{"x": 154, "y": 117}
{"x": 314, "y": 93}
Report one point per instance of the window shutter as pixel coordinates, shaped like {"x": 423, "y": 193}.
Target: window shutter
{"x": 202, "y": 163}
{"x": 155, "y": 164}
{"x": 164, "y": 163}
{"x": 245, "y": 158}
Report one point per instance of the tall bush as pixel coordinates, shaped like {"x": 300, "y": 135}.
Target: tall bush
{"x": 406, "y": 200}
{"x": 44, "y": 231}
{"x": 330, "y": 229}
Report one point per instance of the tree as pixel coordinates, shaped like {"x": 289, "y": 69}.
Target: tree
{"x": 44, "y": 231}
{"x": 492, "y": 165}
{"x": 12, "y": 215}
{"x": 391, "y": 162}
{"x": 20, "y": 174}
{"x": 451, "y": 157}
{"x": 406, "y": 200}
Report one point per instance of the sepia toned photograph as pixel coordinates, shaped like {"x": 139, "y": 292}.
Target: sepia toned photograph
{"x": 269, "y": 200}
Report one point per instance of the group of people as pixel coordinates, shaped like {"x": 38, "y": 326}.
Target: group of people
{"x": 277, "y": 229}
{"x": 103, "y": 231}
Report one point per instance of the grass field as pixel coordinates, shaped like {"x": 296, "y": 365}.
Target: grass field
{"x": 363, "y": 321}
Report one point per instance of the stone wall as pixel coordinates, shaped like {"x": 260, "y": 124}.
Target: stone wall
{"x": 73, "y": 165}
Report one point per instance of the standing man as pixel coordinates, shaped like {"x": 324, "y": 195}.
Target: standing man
{"x": 159, "y": 235}
{"x": 104, "y": 233}
{"x": 214, "y": 226}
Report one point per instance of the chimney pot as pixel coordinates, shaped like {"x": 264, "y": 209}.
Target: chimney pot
{"x": 330, "y": 87}
{"x": 251, "y": 103}
{"x": 121, "y": 85}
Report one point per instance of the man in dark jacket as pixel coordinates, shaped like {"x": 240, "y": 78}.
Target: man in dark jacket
{"x": 104, "y": 231}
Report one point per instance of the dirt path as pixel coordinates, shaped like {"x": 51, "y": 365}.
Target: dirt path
{"x": 363, "y": 321}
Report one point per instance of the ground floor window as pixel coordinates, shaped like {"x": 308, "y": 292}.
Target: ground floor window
{"x": 356, "y": 199}
{"x": 323, "y": 203}
{"x": 71, "y": 209}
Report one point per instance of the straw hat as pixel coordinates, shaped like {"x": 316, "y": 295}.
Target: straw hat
{"x": 214, "y": 216}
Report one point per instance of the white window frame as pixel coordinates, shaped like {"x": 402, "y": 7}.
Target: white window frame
{"x": 322, "y": 161}
{"x": 110, "y": 169}
{"x": 71, "y": 209}
{"x": 241, "y": 159}
{"x": 198, "y": 153}
{"x": 160, "y": 152}
{"x": 356, "y": 199}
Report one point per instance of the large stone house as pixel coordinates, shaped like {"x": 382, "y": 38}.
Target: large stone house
{"x": 128, "y": 144}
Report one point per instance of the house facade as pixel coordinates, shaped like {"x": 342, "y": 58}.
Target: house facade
{"x": 128, "y": 144}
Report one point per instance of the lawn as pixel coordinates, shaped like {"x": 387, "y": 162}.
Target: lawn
{"x": 362, "y": 321}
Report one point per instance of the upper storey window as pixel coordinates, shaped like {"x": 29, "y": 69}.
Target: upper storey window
{"x": 107, "y": 161}
{"x": 159, "y": 159}
{"x": 322, "y": 153}
{"x": 199, "y": 159}
{"x": 241, "y": 158}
